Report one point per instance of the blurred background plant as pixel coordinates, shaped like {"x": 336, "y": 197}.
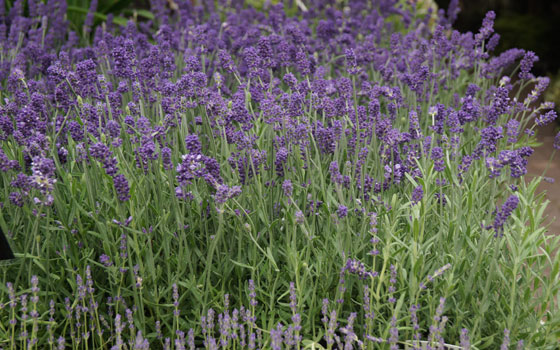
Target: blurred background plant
{"x": 531, "y": 25}
{"x": 77, "y": 12}
{"x": 120, "y": 11}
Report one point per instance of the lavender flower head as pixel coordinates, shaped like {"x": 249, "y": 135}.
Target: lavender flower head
{"x": 300, "y": 218}
{"x": 392, "y": 282}
{"x": 504, "y": 213}
{"x": 546, "y": 118}
{"x": 189, "y": 168}
{"x": 287, "y": 188}
{"x": 332, "y": 326}
{"x": 166, "y": 158}
{"x": 105, "y": 260}
{"x": 437, "y": 157}
{"x": 193, "y": 144}
{"x": 351, "y": 63}
{"x": 487, "y": 27}
{"x": 293, "y": 298}
{"x": 506, "y": 340}
{"x": 465, "y": 341}
{"x": 276, "y": 337}
{"x": 252, "y": 293}
{"x": 417, "y": 194}
{"x": 342, "y": 211}
{"x": 394, "y": 334}
{"x": 526, "y": 64}
{"x": 439, "y": 272}
{"x": 226, "y": 62}
{"x": 224, "y": 193}
{"x": 556, "y": 143}
{"x": 415, "y": 326}
{"x": 43, "y": 172}
{"x": 356, "y": 267}
{"x": 121, "y": 187}
{"x": 176, "y": 300}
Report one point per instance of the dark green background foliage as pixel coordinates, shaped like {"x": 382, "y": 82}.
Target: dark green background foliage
{"x": 528, "y": 24}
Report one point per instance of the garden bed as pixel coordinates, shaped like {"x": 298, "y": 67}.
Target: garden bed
{"x": 227, "y": 177}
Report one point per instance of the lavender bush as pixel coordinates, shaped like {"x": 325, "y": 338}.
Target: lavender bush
{"x": 349, "y": 174}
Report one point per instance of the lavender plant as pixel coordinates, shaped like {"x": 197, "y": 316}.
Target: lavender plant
{"x": 369, "y": 154}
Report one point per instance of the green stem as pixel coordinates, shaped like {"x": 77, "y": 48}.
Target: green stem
{"x": 213, "y": 245}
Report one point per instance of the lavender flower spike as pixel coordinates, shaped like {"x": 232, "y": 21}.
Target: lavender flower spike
{"x": 504, "y": 213}
{"x": 506, "y": 341}
{"x": 556, "y": 144}
{"x": 465, "y": 342}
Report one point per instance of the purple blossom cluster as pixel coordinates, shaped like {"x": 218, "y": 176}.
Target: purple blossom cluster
{"x": 85, "y": 87}
{"x": 504, "y": 213}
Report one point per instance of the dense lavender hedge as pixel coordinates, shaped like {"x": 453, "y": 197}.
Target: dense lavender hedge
{"x": 353, "y": 175}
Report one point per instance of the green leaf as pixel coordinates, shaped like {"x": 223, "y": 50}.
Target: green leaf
{"x": 114, "y": 6}
{"x": 271, "y": 258}
{"x": 140, "y": 12}
{"x": 117, "y": 20}
{"x": 311, "y": 345}
{"x": 242, "y": 265}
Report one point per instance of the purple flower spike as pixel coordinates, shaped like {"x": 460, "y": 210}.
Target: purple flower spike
{"x": 415, "y": 326}
{"x": 224, "y": 192}
{"x": 545, "y": 119}
{"x": 333, "y": 325}
{"x": 504, "y": 213}
{"x": 191, "y": 339}
{"x": 300, "y": 218}
{"x": 193, "y": 144}
{"x": 276, "y": 337}
{"x": 526, "y": 64}
{"x": 512, "y": 130}
{"x": 293, "y": 298}
{"x": 342, "y": 211}
{"x": 252, "y": 293}
{"x": 392, "y": 282}
{"x": 121, "y": 186}
{"x": 487, "y": 27}
{"x": 166, "y": 158}
{"x": 113, "y": 128}
{"x": 61, "y": 343}
{"x": 465, "y": 341}
{"x": 226, "y": 62}
{"x": 351, "y": 63}
{"x": 437, "y": 157}
{"x": 506, "y": 341}
{"x": 439, "y": 272}
{"x": 556, "y": 144}
{"x": 437, "y": 327}
{"x": 175, "y": 299}
{"x": 287, "y": 188}
{"x": 324, "y": 311}
{"x": 394, "y": 334}
{"x": 356, "y": 267}
{"x": 281, "y": 159}
{"x": 417, "y": 194}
